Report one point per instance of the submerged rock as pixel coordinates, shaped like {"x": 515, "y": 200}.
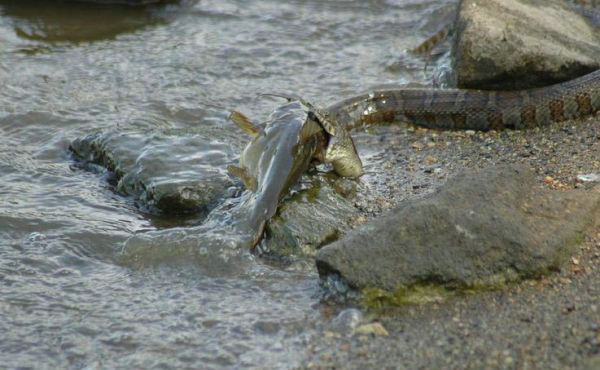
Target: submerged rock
{"x": 480, "y": 229}
{"x": 128, "y": 2}
{"x": 167, "y": 173}
{"x": 220, "y": 246}
{"x": 310, "y": 219}
{"x": 81, "y": 21}
{"x": 514, "y": 44}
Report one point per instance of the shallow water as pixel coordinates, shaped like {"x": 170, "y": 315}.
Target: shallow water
{"x": 68, "y": 69}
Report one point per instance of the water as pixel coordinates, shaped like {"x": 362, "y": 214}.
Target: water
{"x": 67, "y": 69}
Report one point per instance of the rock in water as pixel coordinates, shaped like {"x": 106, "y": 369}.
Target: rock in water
{"x": 173, "y": 174}
{"x": 309, "y": 220}
{"x": 480, "y": 229}
{"x": 514, "y": 44}
{"x": 128, "y": 2}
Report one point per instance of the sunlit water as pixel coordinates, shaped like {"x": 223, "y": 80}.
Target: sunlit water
{"x": 68, "y": 69}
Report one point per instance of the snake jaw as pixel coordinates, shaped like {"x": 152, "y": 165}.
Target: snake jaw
{"x": 341, "y": 153}
{"x": 339, "y": 150}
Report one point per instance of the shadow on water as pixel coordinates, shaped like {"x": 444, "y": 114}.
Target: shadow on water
{"x": 75, "y": 21}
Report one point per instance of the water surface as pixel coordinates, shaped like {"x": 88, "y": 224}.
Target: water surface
{"x": 68, "y": 69}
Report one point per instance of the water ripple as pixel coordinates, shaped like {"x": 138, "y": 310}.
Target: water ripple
{"x": 70, "y": 296}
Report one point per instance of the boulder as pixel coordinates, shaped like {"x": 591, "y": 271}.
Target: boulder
{"x": 173, "y": 174}
{"x": 515, "y": 44}
{"x": 483, "y": 228}
{"x": 80, "y": 21}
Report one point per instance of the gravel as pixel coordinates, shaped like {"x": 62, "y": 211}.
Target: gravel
{"x": 552, "y": 322}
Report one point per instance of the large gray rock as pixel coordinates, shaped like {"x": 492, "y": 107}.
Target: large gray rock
{"x": 513, "y": 44}
{"x": 174, "y": 174}
{"x": 480, "y": 229}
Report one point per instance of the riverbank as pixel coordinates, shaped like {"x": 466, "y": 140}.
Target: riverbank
{"x": 552, "y": 322}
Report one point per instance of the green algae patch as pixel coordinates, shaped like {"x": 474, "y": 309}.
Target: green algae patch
{"x": 430, "y": 292}
{"x": 436, "y": 292}
{"x": 416, "y": 294}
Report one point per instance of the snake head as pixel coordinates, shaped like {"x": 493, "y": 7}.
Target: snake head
{"x": 341, "y": 151}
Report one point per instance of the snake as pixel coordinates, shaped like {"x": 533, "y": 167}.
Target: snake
{"x": 471, "y": 109}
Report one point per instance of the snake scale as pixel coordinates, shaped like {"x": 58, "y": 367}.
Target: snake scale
{"x": 473, "y": 109}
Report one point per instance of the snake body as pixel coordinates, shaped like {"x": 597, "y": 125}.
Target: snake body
{"x": 473, "y": 109}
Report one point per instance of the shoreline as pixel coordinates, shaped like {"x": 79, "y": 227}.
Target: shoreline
{"x": 550, "y": 322}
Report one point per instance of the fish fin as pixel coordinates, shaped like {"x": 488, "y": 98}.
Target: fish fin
{"x": 244, "y": 123}
{"x": 235, "y": 171}
{"x": 259, "y": 233}
{"x": 249, "y": 181}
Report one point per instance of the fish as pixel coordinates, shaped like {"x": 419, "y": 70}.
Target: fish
{"x": 281, "y": 151}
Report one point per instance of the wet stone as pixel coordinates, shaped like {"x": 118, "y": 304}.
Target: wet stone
{"x": 590, "y": 177}
{"x": 128, "y": 2}
{"x": 481, "y": 229}
{"x": 167, "y": 173}
{"x": 310, "y": 219}
{"x": 515, "y": 44}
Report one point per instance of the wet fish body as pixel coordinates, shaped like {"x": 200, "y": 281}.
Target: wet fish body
{"x": 275, "y": 159}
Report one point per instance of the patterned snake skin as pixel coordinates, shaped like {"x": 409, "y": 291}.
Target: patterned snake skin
{"x": 473, "y": 109}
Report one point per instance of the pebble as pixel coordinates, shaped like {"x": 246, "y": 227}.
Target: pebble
{"x": 430, "y": 159}
{"x": 374, "y": 328}
{"x": 417, "y": 145}
{"x": 565, "y": 280}
{"x": 331, "y": 334}
{"x": 591, "y": 177}
{"x": 347, "y": 320}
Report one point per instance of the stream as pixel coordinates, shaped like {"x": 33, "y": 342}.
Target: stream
{"x": 67, "y": 298}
